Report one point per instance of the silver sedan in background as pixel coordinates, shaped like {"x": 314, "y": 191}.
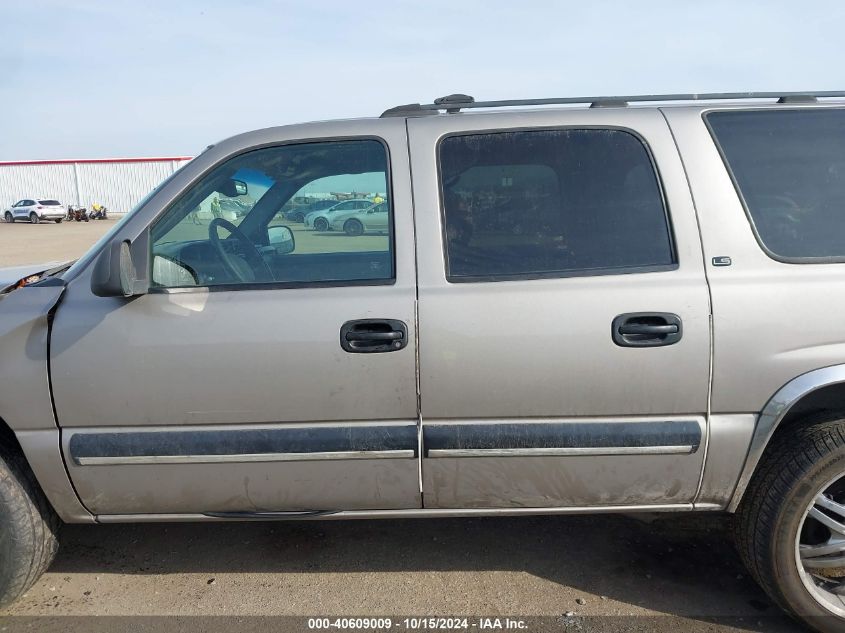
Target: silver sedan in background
{"x": 374, "y": 219}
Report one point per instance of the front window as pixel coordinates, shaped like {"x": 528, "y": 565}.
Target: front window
{"x": 236, "y": 225}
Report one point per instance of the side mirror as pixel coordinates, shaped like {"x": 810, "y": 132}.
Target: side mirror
{"x": 234, "y": 188}
{"x": 281, "y": 239}
{"x": 115, "y": 272}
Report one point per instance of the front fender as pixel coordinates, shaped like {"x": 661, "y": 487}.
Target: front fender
{"x": 26, "y": 404}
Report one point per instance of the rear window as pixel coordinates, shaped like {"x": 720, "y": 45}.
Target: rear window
{"x": 551, "y": 203}
{"x": 788, "y": 167}
{"x": 50, "y": 203}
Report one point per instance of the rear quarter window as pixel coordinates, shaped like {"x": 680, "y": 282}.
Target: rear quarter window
{"x": 788, "y": 167}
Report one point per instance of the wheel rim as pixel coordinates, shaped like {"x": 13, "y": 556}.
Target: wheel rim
{"x": 820, "y": 546}
{"x": 320, "y": 224}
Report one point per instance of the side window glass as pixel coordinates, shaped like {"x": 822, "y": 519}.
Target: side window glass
{"x": 789, "y": 170}
{"x": 551, "y": 203}
{"x": 234, "y": 226}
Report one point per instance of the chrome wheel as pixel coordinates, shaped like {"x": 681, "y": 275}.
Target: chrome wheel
{"x": 820, "y": 547}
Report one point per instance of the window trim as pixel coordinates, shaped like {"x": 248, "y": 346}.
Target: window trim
{"x": 282, "y": 285}
{"x": 783, "y": 259}
{"x": 582, "y": 272}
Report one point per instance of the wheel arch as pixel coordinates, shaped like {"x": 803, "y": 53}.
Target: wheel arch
{"x": 817, "y": 393}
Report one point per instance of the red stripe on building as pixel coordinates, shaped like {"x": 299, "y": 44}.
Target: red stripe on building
{"x": 157, "y": 159}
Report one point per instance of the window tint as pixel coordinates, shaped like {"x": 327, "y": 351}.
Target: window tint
{"x": 789, "y": 168}
{"x": 50, "y": 203}
{"x": 228, "y": 227}
{"x": 550, "y": 203}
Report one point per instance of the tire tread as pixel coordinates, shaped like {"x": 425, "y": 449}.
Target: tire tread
{"x": 788, "y": 460}
{"x": 36, "y": 524}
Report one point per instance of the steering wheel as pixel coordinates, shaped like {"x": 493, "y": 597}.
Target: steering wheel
{"x": 249, "y": 268}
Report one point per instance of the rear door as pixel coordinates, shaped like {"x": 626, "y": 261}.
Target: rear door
{"x": 563, "y": 311}
{"x": 250, "y": 378}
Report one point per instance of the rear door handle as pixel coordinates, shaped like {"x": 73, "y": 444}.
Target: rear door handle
{"x": 646, "y": 329}
{"x": 368, "y": 336}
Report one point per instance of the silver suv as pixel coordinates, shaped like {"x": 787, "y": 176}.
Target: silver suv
{"x": 616, "y": 308}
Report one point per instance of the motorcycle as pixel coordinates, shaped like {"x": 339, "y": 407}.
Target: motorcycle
{"x": 75, "y": 212}
{"x": 99, "y": 212}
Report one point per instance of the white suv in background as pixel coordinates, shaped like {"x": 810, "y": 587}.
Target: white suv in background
{"x": 36, "y": 210}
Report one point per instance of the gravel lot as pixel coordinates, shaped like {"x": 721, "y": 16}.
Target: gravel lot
{"x": 23, "y": 243}
{"x": 681, "y": 568}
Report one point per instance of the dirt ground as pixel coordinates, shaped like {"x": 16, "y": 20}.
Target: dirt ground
{"x": 24, "y": 243}
{"x": 583, "y": 573}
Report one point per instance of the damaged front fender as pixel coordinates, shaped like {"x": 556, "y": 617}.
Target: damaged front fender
{"x": 25, "y": 397}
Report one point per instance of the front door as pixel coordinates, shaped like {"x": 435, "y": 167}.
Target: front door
{"x": 266, "y": 369}
{"x": 563, "y": 311}
{"x": 22, "y": 209}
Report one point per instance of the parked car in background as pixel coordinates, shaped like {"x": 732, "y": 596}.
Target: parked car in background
{"x": 36, "y": 210}
{"x": 238, "y": 208}
{"x": 374, "y": 219}
{"x": 321, "y": 220}
{"x": 298, "y": 214}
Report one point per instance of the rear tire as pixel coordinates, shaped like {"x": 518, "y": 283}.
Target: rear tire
{"x": 9, "y": 217}
{"x": 33, "y": 218}
{"x": 799, "y": 467}
{"x": 353, "y": 227}
{"x": 59, "y": 220}
{"x": 28, "y": 528}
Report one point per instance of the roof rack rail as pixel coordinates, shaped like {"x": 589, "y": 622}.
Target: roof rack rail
{"x": 457, "y": 102}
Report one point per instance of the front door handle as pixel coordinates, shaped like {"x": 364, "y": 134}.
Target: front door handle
{"x": 646, "y": 329}
{"x": 368, "y": 336}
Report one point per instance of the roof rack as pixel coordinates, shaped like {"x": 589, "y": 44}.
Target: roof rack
{"x": 457, "y": 102}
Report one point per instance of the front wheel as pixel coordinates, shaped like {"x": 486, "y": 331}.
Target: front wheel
{"x": 28, "y": 528}
{"x": 33, "y": 218}
{"x": 321, "y": 224}
{"x": 9, "y": 217}
{"x": 790, "y": 526}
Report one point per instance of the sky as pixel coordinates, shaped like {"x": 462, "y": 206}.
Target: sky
{"x": 97, "y": 79}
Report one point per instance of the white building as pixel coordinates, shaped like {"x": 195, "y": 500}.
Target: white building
{"x": 117, "y": 183}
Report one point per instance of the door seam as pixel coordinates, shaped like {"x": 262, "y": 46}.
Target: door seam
{"x": 711, "y": 349}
